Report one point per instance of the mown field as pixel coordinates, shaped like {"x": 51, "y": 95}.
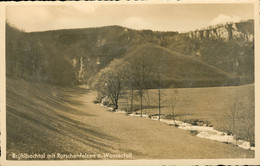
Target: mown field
{"x": 206, "y": 104}
{"x": 52, "y": 119}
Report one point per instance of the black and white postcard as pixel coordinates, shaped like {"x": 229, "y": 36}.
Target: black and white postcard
{"x": 132, "y": 83}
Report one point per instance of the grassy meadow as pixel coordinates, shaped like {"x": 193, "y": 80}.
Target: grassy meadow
{"x": 53, "y": 119}
{"x": 206, "y": 104}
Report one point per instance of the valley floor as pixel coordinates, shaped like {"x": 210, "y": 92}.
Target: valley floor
{"x": 50, "y": 119}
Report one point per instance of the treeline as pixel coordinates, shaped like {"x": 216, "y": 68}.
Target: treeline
{"x": 31, "y": 59}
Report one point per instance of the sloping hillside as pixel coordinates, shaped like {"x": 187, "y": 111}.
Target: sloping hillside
{"x": 38, "y": 115}
{"x": 178, "y": 69}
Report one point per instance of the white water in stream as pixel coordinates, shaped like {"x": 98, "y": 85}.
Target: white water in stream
{"x": 202, "y": 131}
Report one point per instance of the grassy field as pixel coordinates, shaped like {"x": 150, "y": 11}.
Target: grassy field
{"x": 50, "y": 119}
{"x": 206, "y": 104}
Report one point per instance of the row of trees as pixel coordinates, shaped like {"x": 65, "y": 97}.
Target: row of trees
{"x": 134, "y": 78}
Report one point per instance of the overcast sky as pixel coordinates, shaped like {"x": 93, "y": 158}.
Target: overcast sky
{"x": 159, "y": 17}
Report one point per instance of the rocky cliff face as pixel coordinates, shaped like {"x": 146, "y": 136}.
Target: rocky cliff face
{"x": 225, "y": 32}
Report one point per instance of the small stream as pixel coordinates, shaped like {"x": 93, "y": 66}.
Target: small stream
{"x": 200, "y": 131}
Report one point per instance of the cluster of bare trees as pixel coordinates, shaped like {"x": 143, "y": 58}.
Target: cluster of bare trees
{"x": 132, "y": 81}
{"x": 121, "y": 76}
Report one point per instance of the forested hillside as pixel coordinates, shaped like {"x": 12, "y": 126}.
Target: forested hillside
{"x": 214, "y": 56}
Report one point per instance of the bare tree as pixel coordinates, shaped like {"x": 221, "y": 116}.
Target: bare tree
{"x": 173, "y": 100}
{"x": 248, "y": 118}
{"x": 249, "y": 127}
{"x": 131, "y": 89}
{"x": 111, "y": 81}
{"x": 148, "y": 100}
{"x": 140, "y": 75}
{"x": 131, "y": 99}
{"x": 234, "y": 105}
{"x": 161, "y": 94}
{"x": 161, "y": 100}
{"x": 240, "y": 117}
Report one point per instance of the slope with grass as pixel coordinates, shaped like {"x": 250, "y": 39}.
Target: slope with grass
{"x": 178, "y": 69}
{"x": 205, "y": 104}
{"x": 51, "y": 119}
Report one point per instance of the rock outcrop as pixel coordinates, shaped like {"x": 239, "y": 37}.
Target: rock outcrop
{"x": 225, "y": 32}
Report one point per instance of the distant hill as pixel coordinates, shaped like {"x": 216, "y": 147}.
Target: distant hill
{"x": 75, "y": 56}
{"x": 179, "y": 70}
